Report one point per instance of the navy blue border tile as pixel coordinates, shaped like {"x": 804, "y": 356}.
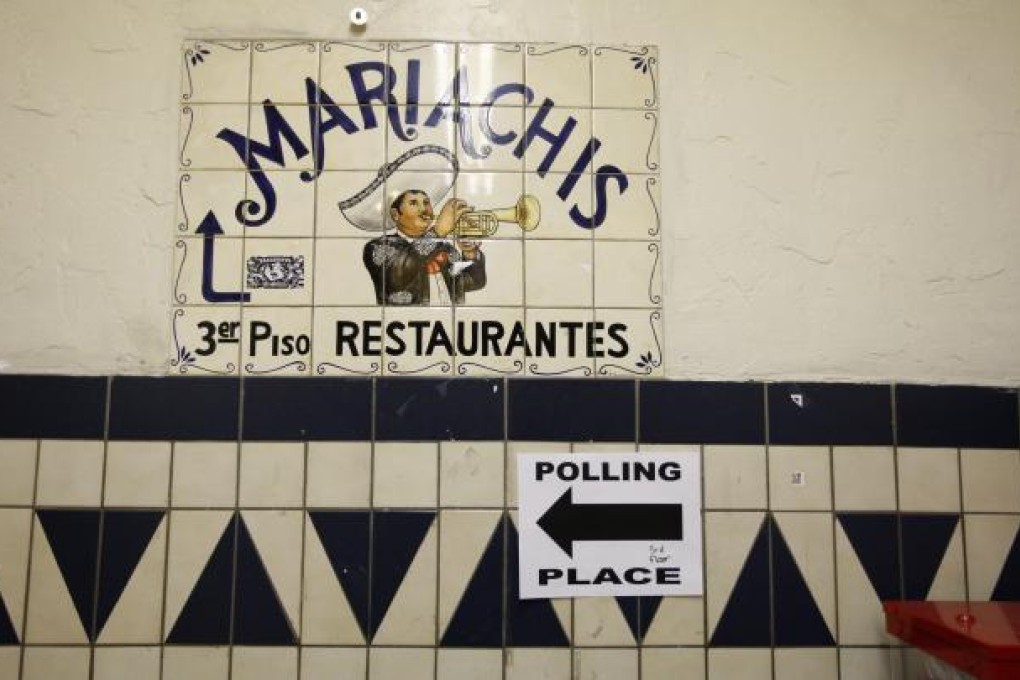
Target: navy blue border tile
{"x": 830, "y": 413}
{"x": 572, "y": 410}
{"x": 434, "y": 409}
{"x": 674, "y": 412}
{"x": 196, "y": 409}
{"x": 52, "y": 407}
{"x": 957, "y": 416}
{"x": 303, "y": 409}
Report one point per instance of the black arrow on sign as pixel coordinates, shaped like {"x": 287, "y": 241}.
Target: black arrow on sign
{"x": 209, "y": 229}
{"x": 566, "y": 522}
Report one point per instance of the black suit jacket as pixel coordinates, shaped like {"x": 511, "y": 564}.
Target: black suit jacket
{"x": 397, "y": 268}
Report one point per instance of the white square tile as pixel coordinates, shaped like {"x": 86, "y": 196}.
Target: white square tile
{"x": 276, "y": 340}
{"x": 279, "y": 272}
{"x": 561, "y": 347}
{"x": 598, "y": 622}
{"x": 265, "y": 663}
{"x": 10, "y": 662}
{"x": 292, "y": 123}
{"x": 929, "y": 480}
{"x": 436, "y": 127}
{"x": 336, "y": 186}
{"x": 490, "y": 65}
{"x": 196, "y": 663}
{"x": 280, "y": 68}
{"x": 556, "y": 139}
{"x": 632, "y": 207}
{"x": 202, "y": 191}
{"x": 869, "y": 663}
{"x": 470, "y": 664}
{"x": 606, "y": 664}
{"x": 408, "y": 663}
{"x": 206, "y": 339}
{"x": 566, "y": 205}
{"x": 70, "y": 473}
{"x": 272, "y": 474}
{"x": 471, "y": 474}
{"x": 820, "y": 664}
{"x": 194, "y": 286}
{"x": 799, "y": 478}
{"x": 464, "y": 537}
{"x": 558, "y": 274}
{"x": 137, "y": 474}
{"x": 501, "y": 352}
{"x": 436, "y": 63}
{"x": 406, "y": 475}
{"x": 678, "y": 621}
{"x": 495, "y": 133}
{"x": 684, "y": 663}
{"x": 127, "y": 663}
{"x": 341, "y": 278}
{"x": 735, "y": 477}
{"x": 504, "y": 280}
{"x": 49, "y": 663}
{"x": 204, "y": 475}
{"x": 864, "y": 478}
{"x": 334, "y": 663}
{"x": 740, "y": 664}
{"x": 339, "y": 474}
{"x": 628, "y": 342}
{"x": 991, "y": 480}
{"x": 628, "y": 274}
{"x": 560, "y": 72}
{"x": 630, "y": 139}
{"x": 625, "y": 76}
{"x": 524, "y": 663}
{"x": 17, "y": 471}
{"x": 348, "y": 340}
{"x": 338, "y": 83}
{"x": 199, "y": 146}
{"x": 293, "y": 213}
{"x": 216, "y": 71}
{"x": 491, "y": 191}
{"x": 433, "y": 356}
{"x": 364, "y": 149}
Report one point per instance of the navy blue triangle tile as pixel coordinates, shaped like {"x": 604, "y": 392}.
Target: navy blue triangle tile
{"x": 205, "y": 618}
{"x": 1008, "y": 587}
{"x": 925, "y": 539}
{"x": 478, "y": 619}
{"x": 529, "y": 623}
{"x": 344, "y": 536}
{"x": 639, "y": 612}
{"x": 797, "y": 620}
{"x": 747, "y": 618}
{"x": 630, "y": 609}
{"x": 7, "y": 634}
{"x": 396, "y": 539}
{"x": 259, "y": 617}
{"x": 875, "y": 539}
{"x": 74, "y": 538}
{"x": 126, "y": 535}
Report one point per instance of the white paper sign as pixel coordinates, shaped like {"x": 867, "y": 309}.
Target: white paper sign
{"x": 609, "y": 524}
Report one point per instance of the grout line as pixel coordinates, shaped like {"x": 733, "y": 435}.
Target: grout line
{"x": 706, "y": 633}
{"x": 28, "y": 566}
{"x": 438, "y": 634}
{"x": 835, "y": 562}
{"x": 769, "y": 520}
{"x": 305, "y": 519}
{"x": 92, "y": 633}
{"x": 166, "y": 564}
{"x": 373, "y": 416}
{"x": 963, "y": 528}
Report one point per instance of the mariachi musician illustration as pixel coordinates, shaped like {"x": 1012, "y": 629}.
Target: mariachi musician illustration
{"x": 429, "y": 258}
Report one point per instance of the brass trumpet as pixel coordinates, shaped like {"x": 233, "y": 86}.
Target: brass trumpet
{"x": 526, "y": 214}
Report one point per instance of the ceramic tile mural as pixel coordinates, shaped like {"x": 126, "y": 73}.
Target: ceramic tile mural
{"x": 418, "y": 208}
{"x": 283, "y": 528}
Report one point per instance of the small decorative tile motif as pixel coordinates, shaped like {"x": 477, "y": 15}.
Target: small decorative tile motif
{"x": 339, "y": 201}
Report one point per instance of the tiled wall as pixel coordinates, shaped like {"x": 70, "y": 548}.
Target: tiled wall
{"x": 353, "y": 529}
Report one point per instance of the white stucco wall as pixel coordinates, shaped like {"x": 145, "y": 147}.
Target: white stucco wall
{"x": 841, "y": 177}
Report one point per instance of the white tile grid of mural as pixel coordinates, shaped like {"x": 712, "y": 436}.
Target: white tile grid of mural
{"x": 387, "y": 561}
{"x": 287, "y": 259}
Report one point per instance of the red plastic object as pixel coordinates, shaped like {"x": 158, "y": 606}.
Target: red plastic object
{"x": 978, "y": 638}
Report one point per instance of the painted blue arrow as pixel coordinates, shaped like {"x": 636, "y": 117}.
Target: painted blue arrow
{"x": 209, "y": 229}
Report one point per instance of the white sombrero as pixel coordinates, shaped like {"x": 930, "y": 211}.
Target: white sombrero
{"x": 427, "y": 168}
